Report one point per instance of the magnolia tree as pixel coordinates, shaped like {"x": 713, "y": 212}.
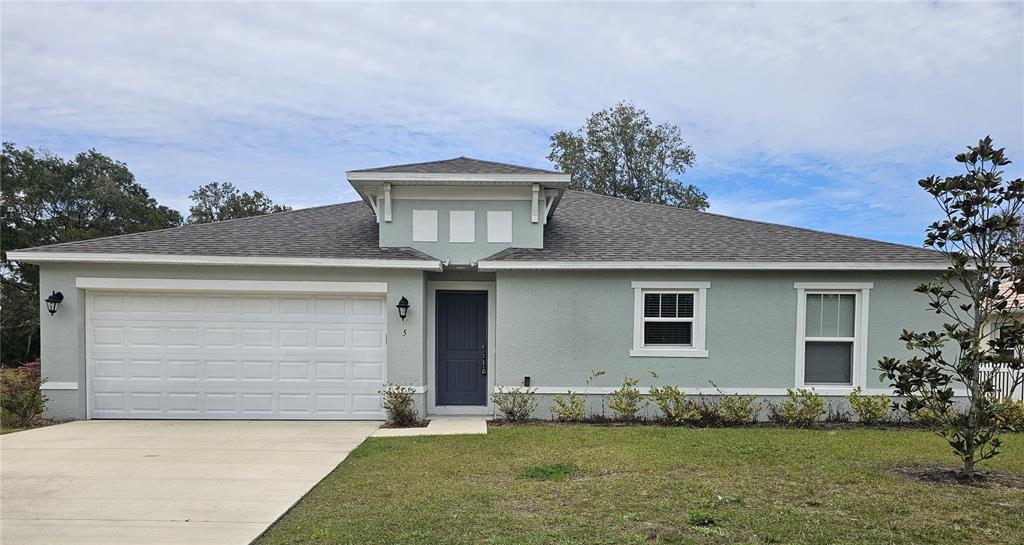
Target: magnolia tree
{"x": 977, "y": 296}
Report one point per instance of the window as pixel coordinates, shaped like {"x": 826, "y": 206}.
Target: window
{"x": 424, "y": 225}
{"x": 669, "y": 319}
{"x": 462, "y": 226}
{"x": 830, "y": 338}
{"x": 499, "y": 226}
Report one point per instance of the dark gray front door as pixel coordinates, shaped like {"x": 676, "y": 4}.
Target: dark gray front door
{"x": 462, "y": 348}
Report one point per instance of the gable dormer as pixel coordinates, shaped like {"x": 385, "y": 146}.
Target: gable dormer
{"x": 460, "y": 210}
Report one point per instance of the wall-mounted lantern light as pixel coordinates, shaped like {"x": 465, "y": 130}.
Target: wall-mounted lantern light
{"x": 403, "y": 308}
{"x": 53, "y": 301}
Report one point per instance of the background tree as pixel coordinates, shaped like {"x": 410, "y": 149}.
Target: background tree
{"x": 620, "y": 152}
{"x": 46, "y": 199}
{"x": 981, "y": 214}
{"x": 223, "y": 201}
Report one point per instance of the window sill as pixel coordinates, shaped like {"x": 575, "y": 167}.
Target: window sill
{"x": 667, "y": 353}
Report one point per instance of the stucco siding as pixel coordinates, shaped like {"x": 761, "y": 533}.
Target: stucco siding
{"x": 398, "y": 232}
{"x": 557, "y": 326}
{"x": 63, "y": 334}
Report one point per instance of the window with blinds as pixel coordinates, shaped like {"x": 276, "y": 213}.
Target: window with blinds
{"x": 668, "y": 319}
{"x": 829, "y": 337}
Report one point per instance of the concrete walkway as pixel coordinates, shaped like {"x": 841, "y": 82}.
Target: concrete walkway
{"x": 162, "y": 482}
{"x": 440, "y": 425}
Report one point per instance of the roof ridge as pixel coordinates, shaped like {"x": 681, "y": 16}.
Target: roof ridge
{"x": 757, "y": 222}
{"x": 183, "y": 226}
{"x": 461, "y": 157}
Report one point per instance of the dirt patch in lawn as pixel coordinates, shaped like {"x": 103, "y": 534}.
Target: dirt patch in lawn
{"x": 949, "y": 475}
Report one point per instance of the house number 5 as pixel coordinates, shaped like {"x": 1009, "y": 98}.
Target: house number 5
{"x": 405, "y": 332}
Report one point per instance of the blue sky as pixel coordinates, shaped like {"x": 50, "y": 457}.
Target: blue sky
{"x": 819, "y": 115}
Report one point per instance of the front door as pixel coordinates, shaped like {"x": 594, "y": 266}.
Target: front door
{"x": 461, "y": 348}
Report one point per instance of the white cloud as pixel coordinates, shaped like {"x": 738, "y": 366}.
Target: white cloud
{"x": 288, "y": 96}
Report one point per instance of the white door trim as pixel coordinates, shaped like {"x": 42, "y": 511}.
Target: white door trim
{"x": 492, "y": 363}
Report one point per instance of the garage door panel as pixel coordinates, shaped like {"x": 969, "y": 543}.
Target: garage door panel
{"x": 204, "y": 336}
{"x": 201, "y": 356}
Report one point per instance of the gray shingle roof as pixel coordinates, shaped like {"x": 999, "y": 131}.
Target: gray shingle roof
{"x": 337, "y": 231}
{"x": 459, "y": 165}
{"x": 590, "y": 227}
{"x": 585, "y": 227}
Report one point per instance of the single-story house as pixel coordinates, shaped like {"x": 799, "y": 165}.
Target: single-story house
{"x": 504, "y": 277}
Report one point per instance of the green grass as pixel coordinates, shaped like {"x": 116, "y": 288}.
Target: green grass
{"x": 549, "y": 472}
{"x": 654, "y": 485}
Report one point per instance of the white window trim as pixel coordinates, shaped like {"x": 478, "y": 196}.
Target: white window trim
{"x": 458, "y": 231}
{"x": 860, "y": 291}
{"x": 424, "y": 225}
{"x": 700, "y": 290}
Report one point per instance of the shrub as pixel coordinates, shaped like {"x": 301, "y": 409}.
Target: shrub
{"x": 1011, "y": 414}
{"x": 515, "y": 404}
{"x": 574, "y": 407}
{"x": 802, "y": 407}
{"x": 21, "y": 400}
{"x": 870, "y": 410}
{"x": 673, "y": 405}
{"x": 739, "y": 409}
{"x": 929, "y": 418}
{"x": 400, "y": 405}
{"x": 626, "y": 400}
{"x": 703, "y": 413}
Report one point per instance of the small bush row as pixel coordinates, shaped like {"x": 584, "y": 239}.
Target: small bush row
{"x": 800, "y": 407}
{"x": 21, "y": 401}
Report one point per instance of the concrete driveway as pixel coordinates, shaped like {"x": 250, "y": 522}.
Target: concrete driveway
{"x": 131, "y": 482}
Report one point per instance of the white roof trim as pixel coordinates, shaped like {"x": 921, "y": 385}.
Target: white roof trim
{"x": 435, "y": 177}
{"x": 490, "y": 265}
{"x": 169, "y": 259}
{"x": 247, "y": 286}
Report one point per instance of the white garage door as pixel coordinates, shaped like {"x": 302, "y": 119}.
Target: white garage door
{"x": 228, "y": 356}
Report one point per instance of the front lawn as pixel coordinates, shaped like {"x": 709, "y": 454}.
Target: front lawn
{"x": 589, "y": 484}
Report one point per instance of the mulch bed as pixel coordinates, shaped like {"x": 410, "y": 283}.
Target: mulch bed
{"x": 951, "y": 475}
{"x": 420, "y": 424}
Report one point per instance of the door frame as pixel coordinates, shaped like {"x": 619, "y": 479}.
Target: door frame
{"x": 492, "y": 363}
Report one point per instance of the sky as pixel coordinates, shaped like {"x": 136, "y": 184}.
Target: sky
{"x": 820, "y": 115}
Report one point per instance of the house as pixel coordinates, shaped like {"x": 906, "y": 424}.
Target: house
{"x": 509, "y": 279}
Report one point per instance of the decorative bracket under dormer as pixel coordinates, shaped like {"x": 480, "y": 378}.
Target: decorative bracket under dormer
{"x": 381, "y": 206}
{"x": 535, "y": 204}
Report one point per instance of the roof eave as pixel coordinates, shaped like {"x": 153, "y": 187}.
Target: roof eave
{"x": 176, "y": 259}
{"x": 540, "y": 265}
{"x": 552, "y": 180}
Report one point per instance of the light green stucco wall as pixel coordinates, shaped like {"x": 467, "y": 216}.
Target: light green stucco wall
{"x": 557, "y": 326}
{"x": 63, "y": 334}
{"x": 398, "y": 232}
{"x": 553, "y": 326}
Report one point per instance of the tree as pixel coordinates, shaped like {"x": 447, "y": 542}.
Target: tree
{"x": 974, "y": 295}
{"x": 621, "y": 153}
{"x": 223, "y": 201}
{"x": 46, "y": 199}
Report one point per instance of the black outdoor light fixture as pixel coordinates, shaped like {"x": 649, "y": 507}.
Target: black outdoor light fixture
{"x": 403, "y": 308}
{"x": 53, "y": 301}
